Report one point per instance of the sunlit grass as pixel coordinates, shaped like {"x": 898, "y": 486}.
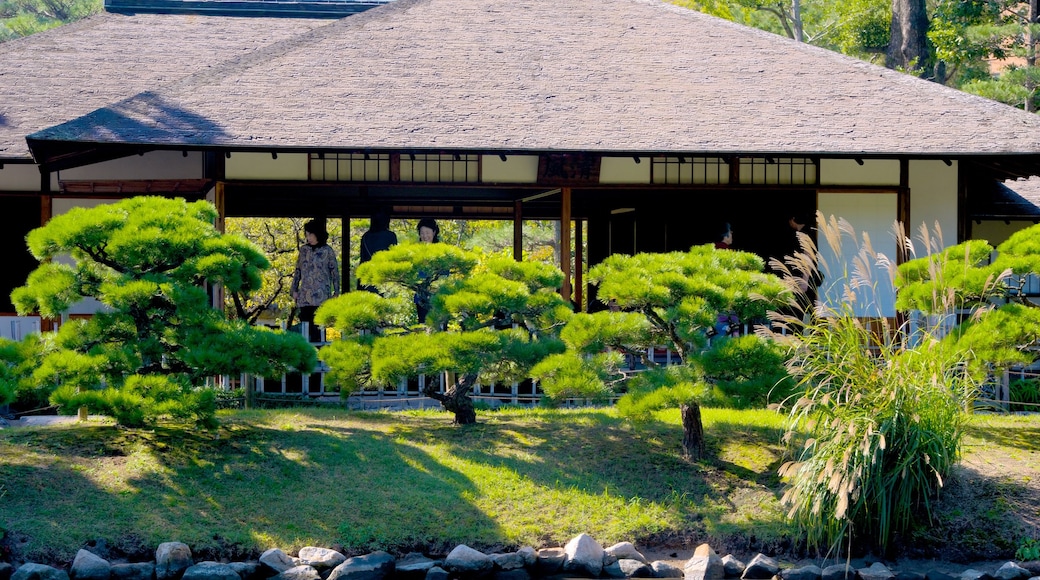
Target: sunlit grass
{"x": 394, "y": 481}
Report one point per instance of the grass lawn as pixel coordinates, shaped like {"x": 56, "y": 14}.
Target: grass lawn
{"x": 359, "y": 481}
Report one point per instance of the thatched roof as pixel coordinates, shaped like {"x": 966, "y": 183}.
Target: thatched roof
{"x": 70, "y": 71}
{"x": 618, "y": 76}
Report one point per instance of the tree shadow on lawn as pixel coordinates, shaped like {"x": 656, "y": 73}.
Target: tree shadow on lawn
{"x": 598, "y": 453}
{"x": 379, "y": 481}
{"x": 225, "y": 492}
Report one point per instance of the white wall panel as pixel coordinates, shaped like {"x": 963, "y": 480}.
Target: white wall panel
{"x": 870, "y": 214}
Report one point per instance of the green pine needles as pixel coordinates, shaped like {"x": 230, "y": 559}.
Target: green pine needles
{"x": 155, "y": 338}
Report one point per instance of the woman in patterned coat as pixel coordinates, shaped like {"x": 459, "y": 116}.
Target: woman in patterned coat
{"x": 316, "y": 278}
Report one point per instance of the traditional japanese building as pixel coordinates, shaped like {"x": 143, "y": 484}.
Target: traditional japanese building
{"x": 636, "y": 123}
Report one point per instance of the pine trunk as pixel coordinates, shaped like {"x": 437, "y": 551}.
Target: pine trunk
{"x": 693, "y": 431}
{"x": 456, "y": 398}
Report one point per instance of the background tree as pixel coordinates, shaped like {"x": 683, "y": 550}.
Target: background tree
{"x": 25, "y": 17}
{"x": 148, "y": 261}
{"x": 671, "y": 300}
{"x": 1014, "y": 33}
{"x": 908, "y": 40}
{"x": 491, "y": 319}
{"x": 962, "y": 57}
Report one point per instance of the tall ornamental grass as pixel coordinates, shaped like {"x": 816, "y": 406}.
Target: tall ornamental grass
{"x": 877, "y": 415}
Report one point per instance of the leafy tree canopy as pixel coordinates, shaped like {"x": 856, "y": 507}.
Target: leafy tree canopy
{"x": 149, "y": 262}
{"x": 491, "y": 319}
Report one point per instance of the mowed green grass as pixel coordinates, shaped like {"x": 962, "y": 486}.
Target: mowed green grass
{"x": 360, "y": 481}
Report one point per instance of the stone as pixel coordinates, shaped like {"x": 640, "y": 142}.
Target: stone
{"x": 374, "y": 566}
{"x": 89, "y": 566}
{"x": 6, "y": 569}
{"x": 665, "y": 570}
{"x": 626, "y": 550}
{"x": 32, "y": 571}
{"x": 277, "y": 560}
{"x": 210, "y": 571}
{"x": 1011, "y": 571}
{"x": 301, "y": 572}
{"x": 761, "y": 567}
{"x": 549, "y": 561}
{"x": 529, "y": 555}
{"x": 583, "y": 556}
{"x": 414, "y": 565}
{"x": 320, "y": 558}
{"x": 506, "y": 562}
{"x": 171, "y": 560}
{"x": 972, "y": 574}
{"x": 612, "y": 569}
{"x": 876, "y": 571}
{"x": 733, "y": 567}
{"x": 466, "y": 561}
{"x": 437, "y": 573}
{"x": 133, "y": 571}
{"x": 249, "y": 570}
{"x": 705, "y": 564}
{"x": 633, "y": 568}
{"x": 810, "y": 572}
{"x": 838, "y": 572}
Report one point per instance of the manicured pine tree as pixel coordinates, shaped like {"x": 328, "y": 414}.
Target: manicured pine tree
{"x": 491, "y": 319}
{"x": 156, "y": 336}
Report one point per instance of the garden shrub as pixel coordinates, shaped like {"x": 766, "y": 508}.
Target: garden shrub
{"x": 749, "y": 370}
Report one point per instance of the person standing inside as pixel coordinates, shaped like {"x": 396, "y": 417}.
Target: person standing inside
{"x": 724, "y": 239}
{"x": 316, "y": 278}
{"x": 429, "y": 233}
{"x": 376, "y": 239}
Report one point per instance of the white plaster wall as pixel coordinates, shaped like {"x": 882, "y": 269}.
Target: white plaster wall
{"x": 153, "y": 165}
{"x": 19, "y": 177}
{"x": 515, "y": 169}
{"x": 848, "y": 172}
{"x": 290, "y": 166}
{"x": 624, "y": 170}
{"x": 870, "y": 214}
{"x": 933, "y": 200}
{"x": 996, "y": 231}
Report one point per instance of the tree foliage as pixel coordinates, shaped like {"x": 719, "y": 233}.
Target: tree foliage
{"x": 25, "y": 17}
{"x": 1008, "y": 30}
{"x": 674, "y": 301}
{"x": 148, "y": 262}
{"x": 491, "y": 319}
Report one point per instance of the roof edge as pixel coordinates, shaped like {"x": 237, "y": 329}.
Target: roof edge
{"x": 333, "y": 9}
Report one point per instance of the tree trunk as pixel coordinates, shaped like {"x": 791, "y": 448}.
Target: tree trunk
{"x": 456, "y": 398}
{"x": 693, "y": 431}
{"x": 908, "y": 45}
{"x": 1031, "y": 42}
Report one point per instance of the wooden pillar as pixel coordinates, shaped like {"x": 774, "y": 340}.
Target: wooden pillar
{"x": 565, "y": 242}
{"x": 518, "y": 230}
{"x": 220, "y": 204}
{"x": 344, "y": 257}
{"x": 903, "y": 206}
{"x": 579, "y": 269}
